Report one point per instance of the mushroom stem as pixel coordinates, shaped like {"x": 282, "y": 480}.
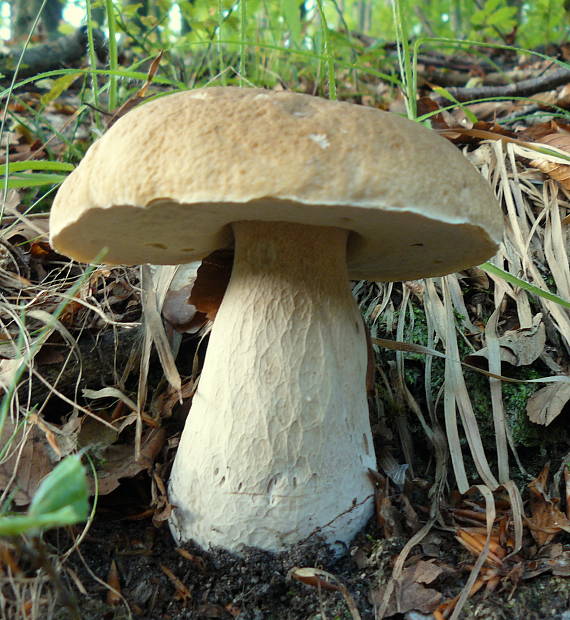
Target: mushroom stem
{"x": 277, "y": 444}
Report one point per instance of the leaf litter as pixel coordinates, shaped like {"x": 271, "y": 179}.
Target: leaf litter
{"x": 467, "y": 317}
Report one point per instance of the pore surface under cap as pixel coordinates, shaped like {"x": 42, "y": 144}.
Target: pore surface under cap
{"x": 163, "y": 184}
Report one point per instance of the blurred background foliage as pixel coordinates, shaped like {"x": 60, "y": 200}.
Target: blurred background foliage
{"x": 292, "y": 23}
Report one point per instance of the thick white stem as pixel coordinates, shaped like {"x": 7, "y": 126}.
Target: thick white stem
{"x": 278, "y": 443}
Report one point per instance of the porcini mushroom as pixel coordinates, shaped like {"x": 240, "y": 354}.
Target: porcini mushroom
{"x": 311, "y": 192}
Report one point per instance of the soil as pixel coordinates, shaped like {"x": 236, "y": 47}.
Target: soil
{"x": 158, "y": 582}
{"x": 254, "y": 586}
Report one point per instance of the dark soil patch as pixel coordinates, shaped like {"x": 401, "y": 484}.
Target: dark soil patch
{"x": 258, "y": 585}
{"x": 255, "y": 586}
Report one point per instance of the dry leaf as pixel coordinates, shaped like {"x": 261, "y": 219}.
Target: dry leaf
{"x": 9, "y": 368}
{"x": 425, "y": 572}
{"x": 211, "y": 282}
{"x": 44, "y": 445}
{"x": 34, "y": 464}
{"x": 176, "y": 307}
{"x": 558, "y": 171}
{"x": 519, "y": 347}
{"x": 552, "y": 558}
{"x": 140, "y": 95}
{"x": 409, "y": 594}
{"x": 182, "y": 592}
{"x": 196, "y": 560}
{"x": 315, "y": 578}
{"x": 547, "y": 404}
{"x": 119, "y": 460}
{"x": 197, "y": 290}
{"x": 546, "y": 519}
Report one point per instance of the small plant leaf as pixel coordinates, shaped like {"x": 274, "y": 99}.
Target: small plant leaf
{"x": 61, "y": 499}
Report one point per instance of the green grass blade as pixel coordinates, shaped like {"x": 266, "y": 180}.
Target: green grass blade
{"x": 36, "y": 164}
{"x": 18, "y": 181}
{"x": 527, "y": 286}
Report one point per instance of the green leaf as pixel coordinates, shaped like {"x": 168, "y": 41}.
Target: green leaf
{"x": 61, "y": 499}
{"x": 65, "y": 486}
{"x": 59, "y": 86}
{"x": 491, "y": 6}
{"x": 503, "y": 17}
{"x": 478, "y": 19}
{"x": 21, "y": 524}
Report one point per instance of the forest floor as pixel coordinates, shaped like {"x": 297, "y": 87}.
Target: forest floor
{"x": 159, "y": 582}
{"x": 125, "y": 564}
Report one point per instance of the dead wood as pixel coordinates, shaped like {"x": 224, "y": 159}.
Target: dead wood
{"x": 524, "y": 88}
{"x": 64, "y": 52}
{"x": 458, "y": 79}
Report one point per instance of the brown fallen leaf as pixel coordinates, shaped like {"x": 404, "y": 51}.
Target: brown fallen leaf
{"x": 546, "y": 519}
{"x": 176, "y": 307}
{"x": 519, "y": 347}
{"x": 140, "y": 95}
{"x": 211, "y": 282}
{"x": 29, "y": 463}
{"x": 425, "y": 571}
{"x": 473, "y": 539}
{"x": 388, "y": 517}
{"x": 535, "y": 132}
{"x": 558, "y": 171}
{"x": 409, "y": 593}
{"x": 547, "y": 404}
{"x": 445, "y": 609}
{"x": 196, "y": 291}
{"x": 119, "y": 460}
{"x": 196, "y": 560}
{"x": 315, "y": 578}
{"x": 551, "y": 559}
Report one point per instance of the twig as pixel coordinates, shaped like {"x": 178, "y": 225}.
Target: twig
{"x": 525, "y": 88}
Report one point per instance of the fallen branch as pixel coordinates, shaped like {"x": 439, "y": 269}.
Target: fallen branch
{"x": 525, "y": 88}
{"x": 61, "y": 53}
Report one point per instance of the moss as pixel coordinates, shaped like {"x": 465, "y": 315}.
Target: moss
{"x": 515, "y": 399}
{"x": 536, "y": 443}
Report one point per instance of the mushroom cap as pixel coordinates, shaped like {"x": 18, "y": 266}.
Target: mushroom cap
{"x": 166, "y": 181}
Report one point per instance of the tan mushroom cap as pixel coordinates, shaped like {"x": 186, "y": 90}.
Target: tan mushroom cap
{"x": 163, "y": 184}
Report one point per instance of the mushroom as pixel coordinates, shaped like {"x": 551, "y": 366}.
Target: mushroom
{"x": 311, "y": 192}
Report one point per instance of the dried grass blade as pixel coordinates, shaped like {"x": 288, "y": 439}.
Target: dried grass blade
{"x": 437, "y": 312}
{"x": 555, "y": 243}
{"x": 517, "y": 512}
{"x": 515, "y": 232}
{"x": 455, "y": 390}
{"x": 154, "y": 290}
{"x": 401, "y": 417}
{"x": 393, "y": 345}
{"x": 459, "y": 303}
{"x": 494, "y": 359}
